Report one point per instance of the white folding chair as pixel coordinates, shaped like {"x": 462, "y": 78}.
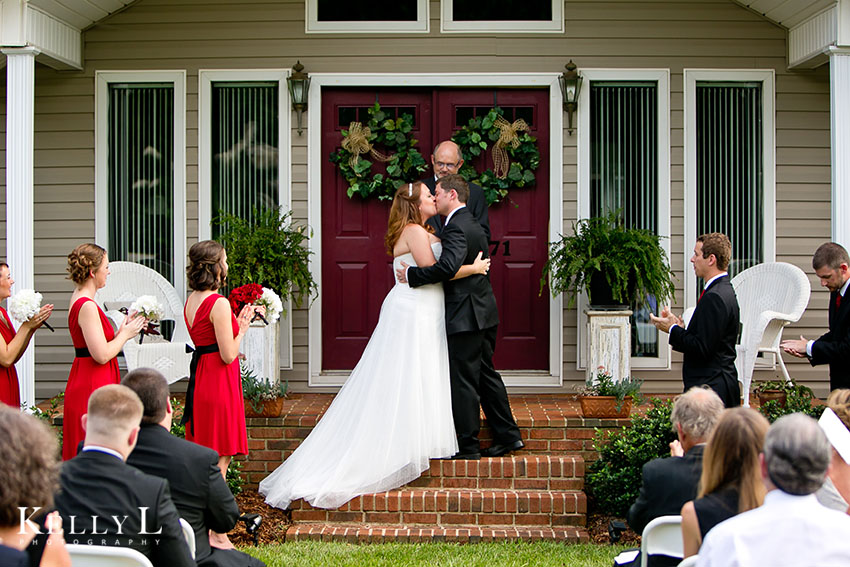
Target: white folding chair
{"x": 105, "y": 556}
{"x": 689, "y": 561}
{"x": 662, "y": 536}
{"x": 189, "y": 535}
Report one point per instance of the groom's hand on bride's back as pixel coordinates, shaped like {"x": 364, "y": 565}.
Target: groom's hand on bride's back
{"x": 401, "y": 272}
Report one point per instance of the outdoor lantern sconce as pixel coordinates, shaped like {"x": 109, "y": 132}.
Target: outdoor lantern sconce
{"x": 299, "y": 88}
{"x": 570, "y": 87}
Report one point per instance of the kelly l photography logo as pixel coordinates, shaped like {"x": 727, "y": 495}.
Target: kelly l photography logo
{"x": 91, "y": 526}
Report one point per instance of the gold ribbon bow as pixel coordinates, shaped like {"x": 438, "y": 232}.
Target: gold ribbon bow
{"x": 357, "y": 142}
{"x": 507, "y": 136}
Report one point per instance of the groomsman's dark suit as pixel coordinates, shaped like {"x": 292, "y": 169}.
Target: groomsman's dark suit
{"x": 834, "y": 347}
{"x": 97, "y": 484}
{"x": 197, "y": 488}
{"x": 709, "y": 341}
{"x": 667, "y": 483}
{"x": 472, "y": 320}
{"x": 477, "y": 205}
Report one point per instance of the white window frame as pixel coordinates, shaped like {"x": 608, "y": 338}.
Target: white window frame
{"x": 555, "y": 25}
{"x": 101, "y": 163}
{"x": 206, "y": 77}
{"x": 767, "y": 78}
{"x": 313, "y": 25}
{"x": 662, "y": 78}
{"x": 554, "y": 376}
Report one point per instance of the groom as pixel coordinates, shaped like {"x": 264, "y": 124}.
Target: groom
{"x": 472, "y": 320}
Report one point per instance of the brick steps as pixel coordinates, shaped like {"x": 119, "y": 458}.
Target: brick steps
{"x": 524, "y": 472}
{"x": 454, "y": 507}
{"x": 405, "y": 534}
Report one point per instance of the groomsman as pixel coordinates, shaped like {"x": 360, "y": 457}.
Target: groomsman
{"x": 830, "y": 263}
{"x": 708, "y": 344}
{"x": 447, "y": 159}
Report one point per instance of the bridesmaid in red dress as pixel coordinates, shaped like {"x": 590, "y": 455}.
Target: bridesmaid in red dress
{"x": 95, "y": 342}
{"x": 12, "y": 343}
{"x": 215, "y": 412}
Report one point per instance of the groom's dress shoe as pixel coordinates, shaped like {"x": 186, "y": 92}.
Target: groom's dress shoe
{"x": 466, "y": 457}
{"x": 499, "y": 450}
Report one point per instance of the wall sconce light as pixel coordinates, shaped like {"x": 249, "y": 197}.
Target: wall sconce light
{"x": 299, "y": 87}
{"x": 570, "y": 82}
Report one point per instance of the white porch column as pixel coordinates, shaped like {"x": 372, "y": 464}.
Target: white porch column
{"x": 20, "y": 110}
{"x": 839, "y": 95}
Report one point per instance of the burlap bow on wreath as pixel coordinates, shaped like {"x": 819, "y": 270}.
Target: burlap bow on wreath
{"x": 507, "y": 136}
{"x": 357, "y": 142}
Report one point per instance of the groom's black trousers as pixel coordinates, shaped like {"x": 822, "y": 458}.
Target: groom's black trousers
{"x": 475, "y": 381}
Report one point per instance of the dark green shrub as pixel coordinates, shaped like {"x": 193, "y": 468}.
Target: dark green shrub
{"x": 234, "y": 477}
{"x": 613, "y": 481}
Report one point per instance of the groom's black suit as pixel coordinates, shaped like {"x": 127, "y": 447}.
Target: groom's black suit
{"x": 472, "y": 320}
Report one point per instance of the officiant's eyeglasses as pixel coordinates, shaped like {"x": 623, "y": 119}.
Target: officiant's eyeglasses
{"x": 444, "y": 165}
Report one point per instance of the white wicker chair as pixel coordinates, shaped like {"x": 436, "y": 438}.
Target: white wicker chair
{"x": 771, "y": 296}
{"x": 128, "y": 281}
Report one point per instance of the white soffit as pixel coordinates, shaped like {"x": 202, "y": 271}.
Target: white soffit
{"x": 80, "y": 14}
{"x": 787, "y": 13}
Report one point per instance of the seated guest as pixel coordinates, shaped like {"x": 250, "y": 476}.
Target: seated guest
{"x": 671, "y": 481}
{"x": 29, "y": 469}
{"x": 197, "y": 487}
{"x": 835, "y": 492}
{"x": 97, "y": 486}
{"x": 791, "y": 528}
{"x": 731, "y": 476}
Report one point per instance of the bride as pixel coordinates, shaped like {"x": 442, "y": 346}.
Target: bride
{"x": 394, "y": 412}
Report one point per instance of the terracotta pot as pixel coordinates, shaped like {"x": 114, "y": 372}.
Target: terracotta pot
{"x": 604, "y": 406}
{"x": 769, "y": 395}
{"x": 270, "y": 408}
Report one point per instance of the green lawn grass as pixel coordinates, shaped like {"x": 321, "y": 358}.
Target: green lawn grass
{"x": 543, "y": 554}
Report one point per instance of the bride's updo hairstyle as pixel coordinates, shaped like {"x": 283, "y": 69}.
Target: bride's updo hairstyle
{"x": 204, "y": 269}
{"x": 83, "y": 261}
{"x": 404, "y": 211}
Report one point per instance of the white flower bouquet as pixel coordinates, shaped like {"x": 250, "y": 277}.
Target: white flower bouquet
{"x": 25, "y": 305}
{"x": 148, "y": 307}
{"x": 271, "y": 301}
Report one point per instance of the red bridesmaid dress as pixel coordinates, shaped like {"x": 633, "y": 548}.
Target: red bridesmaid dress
{"x": 10, "y": 393}
{"x": 218, "y": 413}
{"x": 86, "y": 377}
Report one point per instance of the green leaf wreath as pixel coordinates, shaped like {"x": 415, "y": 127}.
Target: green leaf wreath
{"x": 483, "y": 132}
{"x": 404, "y": 162}
{"x": 514, "y": 151}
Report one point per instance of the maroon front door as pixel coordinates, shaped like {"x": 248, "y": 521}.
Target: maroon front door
{"x": 356, "y": 270}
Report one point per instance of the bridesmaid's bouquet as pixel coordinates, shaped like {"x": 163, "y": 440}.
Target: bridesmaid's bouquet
{"x": 255, "y": 294}
{"x": 151, "y": 309}
{"x": 25, "y": 305}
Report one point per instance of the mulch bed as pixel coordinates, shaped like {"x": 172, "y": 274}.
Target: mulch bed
{"x": 273, "y": 528}
{"x": 597, "y": 527}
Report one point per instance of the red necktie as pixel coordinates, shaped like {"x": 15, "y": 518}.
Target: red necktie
{"x": 837, "y": 300}
{"x": 700, "y": 296}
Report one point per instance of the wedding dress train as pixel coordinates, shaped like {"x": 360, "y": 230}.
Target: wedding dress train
{"x": 392, "y": 415}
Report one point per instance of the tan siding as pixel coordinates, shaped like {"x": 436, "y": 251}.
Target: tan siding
{"x": 193, "y": 35}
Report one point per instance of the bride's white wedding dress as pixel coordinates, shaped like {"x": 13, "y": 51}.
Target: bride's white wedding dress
{"x": 392, "y": 415}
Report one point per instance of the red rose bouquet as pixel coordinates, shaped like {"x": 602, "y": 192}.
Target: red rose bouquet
{"x": 243, "y": 295}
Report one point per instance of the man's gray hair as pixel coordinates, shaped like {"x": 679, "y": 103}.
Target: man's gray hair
{"x": 698, "y": 410}
{"x": 797, "y": 454}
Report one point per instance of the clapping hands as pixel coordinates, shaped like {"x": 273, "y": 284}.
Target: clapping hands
{"x": 665, "y": 320}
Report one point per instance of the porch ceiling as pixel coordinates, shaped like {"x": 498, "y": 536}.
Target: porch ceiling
{"x": 80, "y": 14}
{"x": 786, "y": 13}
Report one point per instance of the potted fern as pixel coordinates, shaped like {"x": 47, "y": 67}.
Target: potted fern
{"x": 617, "y": 266}
{"x": 266, "y": 252}
{"x": 263, "y": 398}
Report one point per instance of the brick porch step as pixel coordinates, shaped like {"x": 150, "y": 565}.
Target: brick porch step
{"x": 405, "y": 534}
{"x": 525, "y": 472}
{"x": 455, "y": 507}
